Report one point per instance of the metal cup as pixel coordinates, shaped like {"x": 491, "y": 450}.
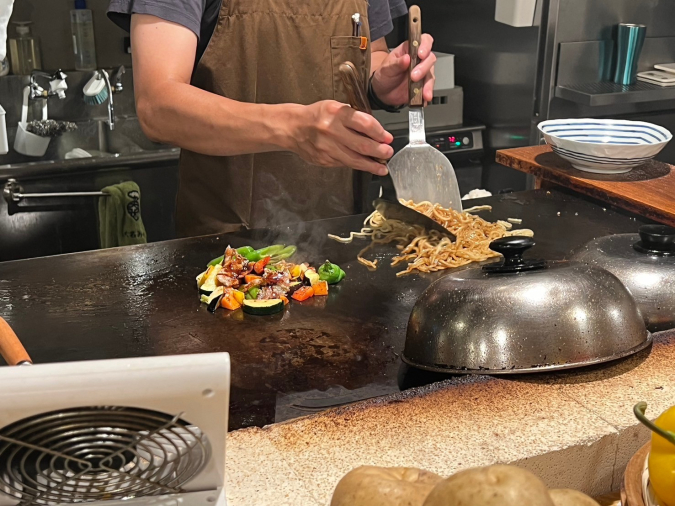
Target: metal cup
{"x": 630, "y": 39}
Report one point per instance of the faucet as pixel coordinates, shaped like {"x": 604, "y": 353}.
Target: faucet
{"x": 113, "y": 87}
{"x": 57, "y": 85}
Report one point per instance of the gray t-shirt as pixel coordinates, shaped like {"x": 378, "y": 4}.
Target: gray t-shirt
{"x": 201, "y": 16}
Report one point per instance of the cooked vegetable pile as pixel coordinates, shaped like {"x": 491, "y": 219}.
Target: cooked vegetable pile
{"x": 261, "y": 281}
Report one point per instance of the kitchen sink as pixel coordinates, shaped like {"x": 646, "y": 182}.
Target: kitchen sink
{"x": 96, "y": 138}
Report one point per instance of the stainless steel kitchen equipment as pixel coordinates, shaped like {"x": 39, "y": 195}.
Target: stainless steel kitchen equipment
{"x": 444, "y": 110}
{"x": 110, "y": 440}
{"x": 645, "y": 264}
{"x": 523, "y": 316}
{"x": 47, "y": 226}
{"x": 419, "y": 171}
{"x": 13, "y": 192}
{"x": 515, "y": 77}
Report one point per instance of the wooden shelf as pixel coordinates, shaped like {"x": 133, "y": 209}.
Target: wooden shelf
{"x": 599, "y": 94}
{"x": 647, "y": 190}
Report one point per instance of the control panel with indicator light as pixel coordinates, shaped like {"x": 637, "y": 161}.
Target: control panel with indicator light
{"x": 450, "y": 142}
{"x": 467, "y": 139}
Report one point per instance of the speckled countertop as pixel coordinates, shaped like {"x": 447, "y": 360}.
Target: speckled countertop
{"x": 573, "y": 429}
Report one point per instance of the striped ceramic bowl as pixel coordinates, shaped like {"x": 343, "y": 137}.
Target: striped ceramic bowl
{"x": 604, "y": 146}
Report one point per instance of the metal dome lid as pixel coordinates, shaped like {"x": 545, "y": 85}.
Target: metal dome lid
{"x": 645, "y": 264}
{"x": 521, "y": 316}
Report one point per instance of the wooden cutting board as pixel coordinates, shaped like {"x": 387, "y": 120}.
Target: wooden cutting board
{"x": 648, "y": 190}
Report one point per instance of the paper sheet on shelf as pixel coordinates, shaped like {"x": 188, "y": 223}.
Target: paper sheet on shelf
{"x": 6, "y": 7}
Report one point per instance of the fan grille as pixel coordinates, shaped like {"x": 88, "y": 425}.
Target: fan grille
{"x": 99, "y": 453}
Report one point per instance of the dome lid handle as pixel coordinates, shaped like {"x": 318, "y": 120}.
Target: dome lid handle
{"x": 656, "y": 240}
{"x": 513, "y": 248}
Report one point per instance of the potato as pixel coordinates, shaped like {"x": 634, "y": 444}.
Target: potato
{"x": 384, "y": 486}
{"x": 569, "y": 497}
{"x": 490, "y": 486}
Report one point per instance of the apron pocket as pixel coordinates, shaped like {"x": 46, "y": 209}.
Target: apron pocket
{"x": 353, "y": 49}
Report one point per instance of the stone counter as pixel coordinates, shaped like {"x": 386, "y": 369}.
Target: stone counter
{"x": 573, "y": 429}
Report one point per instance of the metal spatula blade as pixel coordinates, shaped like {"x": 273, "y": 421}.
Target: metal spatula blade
{"x": 388, "y": 205}
{"x": 419, "y": 171}
{"x": 391, "y": 208}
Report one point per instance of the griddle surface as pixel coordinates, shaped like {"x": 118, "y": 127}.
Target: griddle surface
{"x": 142, "y": 301}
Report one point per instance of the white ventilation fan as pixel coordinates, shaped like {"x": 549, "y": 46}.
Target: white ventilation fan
{"x": 142, "y": 430}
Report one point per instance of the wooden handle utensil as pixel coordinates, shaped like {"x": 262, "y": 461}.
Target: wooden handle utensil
{"x": 356, "y": 91}
{"x": 11, "y": 348}
{"x": 414, "y": 41}
{"x": 355, "y": 87}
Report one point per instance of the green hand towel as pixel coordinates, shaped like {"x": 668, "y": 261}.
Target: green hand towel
{"x": 119, "y": 216}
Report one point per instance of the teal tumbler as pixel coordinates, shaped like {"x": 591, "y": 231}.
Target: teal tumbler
{"x": 630, "y": 39}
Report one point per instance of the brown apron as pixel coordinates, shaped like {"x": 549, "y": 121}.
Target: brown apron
{"x": 273, "y": 51}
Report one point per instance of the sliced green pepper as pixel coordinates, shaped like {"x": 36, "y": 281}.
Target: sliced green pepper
{"x": 215, "y": 261}
{"x": 277, "y": 252}
{"x": 284, "y": 254}
{"x": 249, "y": 253}
{"x": 270, "y": 250}
{"x": 331, "y": 273}
{"x": 253, "y": 292}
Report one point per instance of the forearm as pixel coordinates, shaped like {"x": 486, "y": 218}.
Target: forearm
{"x": 194, "y": 119}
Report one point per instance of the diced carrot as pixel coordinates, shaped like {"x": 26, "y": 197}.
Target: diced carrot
{"x": 303, "y": 293}
{"x": 321, "y": 288}
{"x": 251, "y": 277}
{"x": 285, "y": 299}
{"x": 260, "y": 265}
{"x": 229, "y": 300}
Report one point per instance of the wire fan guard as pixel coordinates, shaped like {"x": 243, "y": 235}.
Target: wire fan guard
{"x": 99, "y": 453}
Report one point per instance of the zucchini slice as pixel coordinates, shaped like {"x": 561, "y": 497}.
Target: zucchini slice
{"x": 213, "y": 300}
{"x": 313, "y": 277}
{"x": 209, "y": 281}
{"x": 263, "y": 307}
{"x": 293, "y": 287}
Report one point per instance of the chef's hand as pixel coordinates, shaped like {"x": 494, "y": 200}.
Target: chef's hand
{"x": 390, "y": 80}
{"x": 331, "y": 134}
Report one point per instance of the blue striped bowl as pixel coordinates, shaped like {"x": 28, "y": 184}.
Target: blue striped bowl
{"x": 604, "y": 146}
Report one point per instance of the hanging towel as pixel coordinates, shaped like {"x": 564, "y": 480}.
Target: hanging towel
{"x": 119, "y": 216}
{"x": 6, "y": 7}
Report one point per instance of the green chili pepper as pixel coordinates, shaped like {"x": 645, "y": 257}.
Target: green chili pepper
{"x": 215, "y": 261}
{"x": 246, "y": 251}
{"x": 284, "y": 254}
{"x": 253, "y": 292}
{"x": 277, "y": 252}
{"x": 331, "y": 273}
{"x": 249, "y": 254}
{"x": 270, "y": 250}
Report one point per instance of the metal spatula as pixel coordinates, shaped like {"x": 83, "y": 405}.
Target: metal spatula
{"x": 419, "y": 171}
{"x": 388, "y": 205}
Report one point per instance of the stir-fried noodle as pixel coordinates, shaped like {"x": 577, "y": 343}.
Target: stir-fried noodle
{"x": 429, "y": 251}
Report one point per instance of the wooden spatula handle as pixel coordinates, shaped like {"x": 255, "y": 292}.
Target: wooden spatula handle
{"x": 11, "y": 348}
{"x": 414, "y": 41}
{"x": 355, "y": 88}
{"x": 356, "y": 91}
